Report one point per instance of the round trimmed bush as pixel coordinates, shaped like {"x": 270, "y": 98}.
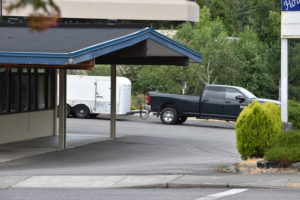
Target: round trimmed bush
{"x": 256, "y": 127}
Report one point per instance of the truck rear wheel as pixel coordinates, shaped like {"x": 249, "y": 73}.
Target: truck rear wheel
{"x": 169, "y": 116}
{"x": 181, "y": 120}
{"x": 81, "y": 111}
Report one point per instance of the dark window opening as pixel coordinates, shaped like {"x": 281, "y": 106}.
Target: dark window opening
{"x": 41, "y": 84}
{"x": 33, "y": 92}
{"x": 50, "y": 94}
{"x": 24, "y": 90}
{"x": 4, "y": 83}
{"x": 14, "y": 91}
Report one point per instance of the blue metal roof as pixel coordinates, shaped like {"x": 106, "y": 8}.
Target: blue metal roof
{"x": 84, "y": 53}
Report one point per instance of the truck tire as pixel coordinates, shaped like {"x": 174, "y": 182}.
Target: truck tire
{"x": 81, "y": 111}
{"x": 181, "y": 120}
{"x": 169, "y": 116}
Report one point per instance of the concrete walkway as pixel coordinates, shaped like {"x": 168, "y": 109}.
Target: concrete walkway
{"x": 155, "y": 181}
{"x": 23, "y": 149}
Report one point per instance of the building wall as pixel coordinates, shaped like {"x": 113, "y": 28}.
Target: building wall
{"x": 24, "y": 126}
{"x": 170, "y": 10}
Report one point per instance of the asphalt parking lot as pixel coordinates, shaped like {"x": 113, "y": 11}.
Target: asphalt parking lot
{"x": 142, "y": 147}
{"x": 147, "y": 194}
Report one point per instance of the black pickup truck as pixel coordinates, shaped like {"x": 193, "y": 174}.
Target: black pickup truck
{"x": 217, "y": 102}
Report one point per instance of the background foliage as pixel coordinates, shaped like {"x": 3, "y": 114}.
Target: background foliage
{"x": 294, "y": 114}
{"x": 240, "y": 44}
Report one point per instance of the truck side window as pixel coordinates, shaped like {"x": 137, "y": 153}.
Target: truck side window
{"x": 231, "y": 93}
{"x": 214, "y": 92}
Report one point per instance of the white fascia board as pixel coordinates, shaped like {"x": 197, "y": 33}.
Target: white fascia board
{"x": 169, "y": 10}
{"x": 290, "y": 24}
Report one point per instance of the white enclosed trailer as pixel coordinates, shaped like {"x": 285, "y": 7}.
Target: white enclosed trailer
{"x": 90, "y": 95}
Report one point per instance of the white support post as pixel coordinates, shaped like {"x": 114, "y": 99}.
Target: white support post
{"x": 284, "y": 81}
{"x": 62, "y": 107}
{"x": 113, "y": 100}
{"x": 55, "y": 102}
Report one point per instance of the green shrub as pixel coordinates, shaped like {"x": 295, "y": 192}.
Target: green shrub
{"x": 285, "y": 149}
{"x": 256, "y": 127}
{"x": 294, "y": 113}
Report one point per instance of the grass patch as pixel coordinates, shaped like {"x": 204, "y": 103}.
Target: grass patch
{"x": 285, "y": 149}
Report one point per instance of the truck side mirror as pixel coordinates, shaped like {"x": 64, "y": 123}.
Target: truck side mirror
{"x": 240, "y": 97}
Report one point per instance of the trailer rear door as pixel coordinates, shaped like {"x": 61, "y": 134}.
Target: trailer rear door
{"x": 102, "y": 96}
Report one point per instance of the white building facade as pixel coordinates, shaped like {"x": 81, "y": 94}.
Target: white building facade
{"x": 172, "y": 10}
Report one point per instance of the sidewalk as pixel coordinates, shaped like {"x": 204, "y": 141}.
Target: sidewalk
{"x": 155, "y": 181}
{"x": 38, "y": 146}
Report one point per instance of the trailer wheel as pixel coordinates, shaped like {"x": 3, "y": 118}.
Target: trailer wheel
{"x": 181, "y": 120}
{"x": 81, "y": 111}
{"x": 169, "y": 116}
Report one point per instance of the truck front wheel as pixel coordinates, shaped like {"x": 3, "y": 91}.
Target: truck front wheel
{"x": 81, "y": 111}
{"x": 169, "y": 116}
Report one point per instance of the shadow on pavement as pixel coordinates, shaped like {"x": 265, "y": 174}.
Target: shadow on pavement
{"x": 127, "y": 154}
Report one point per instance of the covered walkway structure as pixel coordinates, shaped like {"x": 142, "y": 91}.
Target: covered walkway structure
{"x": 79, "y": 47}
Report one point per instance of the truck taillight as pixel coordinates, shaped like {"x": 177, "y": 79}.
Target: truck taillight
{"x": 148, "y": 99}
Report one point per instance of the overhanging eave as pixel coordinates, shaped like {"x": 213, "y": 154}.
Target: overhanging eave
{"x": 140, "y": 47}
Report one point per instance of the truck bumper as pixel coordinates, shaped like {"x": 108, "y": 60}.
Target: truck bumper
{"x": 148, "y": 107}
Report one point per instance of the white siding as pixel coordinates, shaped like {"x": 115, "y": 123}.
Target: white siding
{"x": 290, "y": 22}
{"x": 173, "y": 10}
{"x": 24, "y": 126}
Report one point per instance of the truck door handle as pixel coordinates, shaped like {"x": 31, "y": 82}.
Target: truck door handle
{"x": 206, "y": 100}
{"x": 227, "y": 101}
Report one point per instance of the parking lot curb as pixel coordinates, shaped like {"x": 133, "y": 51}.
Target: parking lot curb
{"x": 292, "y": 185}
{"x": 139, "y": 182}
{"x": 208, "y": 185}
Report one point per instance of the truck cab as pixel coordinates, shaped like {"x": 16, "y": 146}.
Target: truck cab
{"x": 224, "y": 102}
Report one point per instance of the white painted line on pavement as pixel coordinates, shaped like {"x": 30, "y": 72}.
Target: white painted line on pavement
{"x": 222, "y": 194}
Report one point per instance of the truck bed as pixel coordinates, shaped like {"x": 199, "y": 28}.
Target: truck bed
{"x": 187, "y": 104}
